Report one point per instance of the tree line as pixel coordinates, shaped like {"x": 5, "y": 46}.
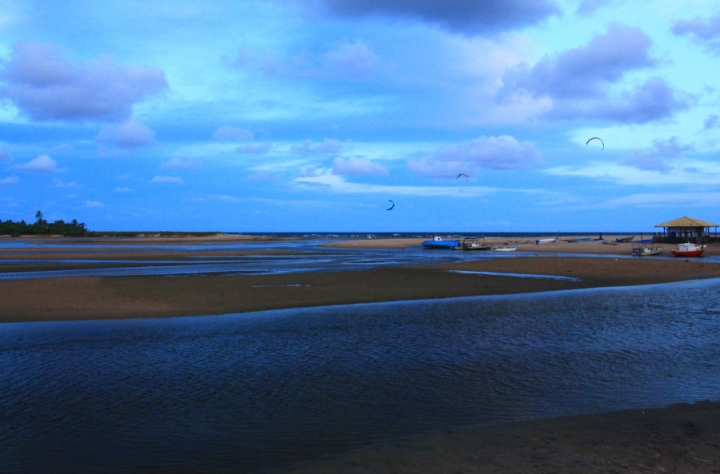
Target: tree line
{"x": 43, "y": 227}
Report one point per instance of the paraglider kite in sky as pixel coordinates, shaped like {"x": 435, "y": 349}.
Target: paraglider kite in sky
{"x": 597, "y": 138}
{"x": 467, "y": 178}
{"x": 391, "y": 207}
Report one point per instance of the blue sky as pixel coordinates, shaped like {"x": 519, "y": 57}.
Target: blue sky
{"x": 310, "y": 115}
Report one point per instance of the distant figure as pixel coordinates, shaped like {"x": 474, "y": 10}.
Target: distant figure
{"x": 467, "y": 178}
{"x": 596, "y": 138}
{"x": 391, "y": 207}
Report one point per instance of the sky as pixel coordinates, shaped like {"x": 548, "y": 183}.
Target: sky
{"x": 312, "y": 115}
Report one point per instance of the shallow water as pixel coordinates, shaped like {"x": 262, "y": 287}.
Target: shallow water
{"x": 249, "y": 392}
{"x": 309, "y": 257}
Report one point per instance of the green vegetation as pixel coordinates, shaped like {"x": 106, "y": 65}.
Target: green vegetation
{"x": 43, "y": 227}
{"x": 78, "y": 229}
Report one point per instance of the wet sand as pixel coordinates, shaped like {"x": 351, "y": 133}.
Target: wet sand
{"x": 163, "y": 296}
{"x": 683, "y": 439}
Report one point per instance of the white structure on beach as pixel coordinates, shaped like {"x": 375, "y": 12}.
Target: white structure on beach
{"x": 687, "y": 228}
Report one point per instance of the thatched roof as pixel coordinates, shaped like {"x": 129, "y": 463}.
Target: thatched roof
{"x": 687, "y": 222}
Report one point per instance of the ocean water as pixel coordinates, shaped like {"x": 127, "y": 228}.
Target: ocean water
{"x": 253, "y": 392}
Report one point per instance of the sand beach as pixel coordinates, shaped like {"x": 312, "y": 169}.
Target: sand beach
{"x": 682, "y": 438}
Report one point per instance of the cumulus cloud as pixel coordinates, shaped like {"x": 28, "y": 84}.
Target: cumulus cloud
{"x": 659, "y": 158}
{"x": 463, "y": 16}
{"x": 9, "y": 180}
{"x": 345, "y": 61}
{"x": 238, "y": 134}
{"x": 704, "y": 32}
{"x": 94, "y": 204}
{"x": 167, "y": 180}
{"x": 122, "y": 189}
{"x": 41, "y": 164}
{"x": 355, "y": 166}
{"x": 253, "y": 149}
{"x": 130, "y": 134}
{"x": 308, "y": 148}
{"x": 45, "y": 86}
{"x": 499, "y": 153}
{"x": 578, "y": 81}
{"x": 180, "y": 163}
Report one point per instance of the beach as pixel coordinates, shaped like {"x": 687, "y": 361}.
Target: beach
{"x": 681, "y": 438}
{"x": 90, "y": 297}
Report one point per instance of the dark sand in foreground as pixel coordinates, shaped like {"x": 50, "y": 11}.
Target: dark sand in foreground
{"x": 680, "y": 439}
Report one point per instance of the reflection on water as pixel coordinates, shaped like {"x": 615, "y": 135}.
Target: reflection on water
{"x": 245, "y": 393}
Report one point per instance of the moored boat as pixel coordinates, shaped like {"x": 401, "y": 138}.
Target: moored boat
{"x": 644, "y": 248}
{"x": 689, "y": 250}
{"x": 439, "y": 243}
{"x": 625, "y": 239}
{"x": 473, "y": 244}
{"x": 504, "y": 249}
{"x": 546, "y": 241}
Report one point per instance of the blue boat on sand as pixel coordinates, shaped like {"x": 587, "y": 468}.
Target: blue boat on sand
{"x": 438, "y": 243}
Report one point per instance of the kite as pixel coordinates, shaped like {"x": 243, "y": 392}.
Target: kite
{"x": 597, "y": 138}
{"x": 467, "y": 178}
{"x": 391, "y": 207}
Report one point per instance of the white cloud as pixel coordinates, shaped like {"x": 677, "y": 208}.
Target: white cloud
{"x": 122, "y": 189}
{"x": 61, "y": 184}
{"x": 180, "y": 163}
{"x": 688, "y": 172}
{"x": 41, "y": 164}
{"x": 338, "y": 184}
{"x": 500, "y": 153}
{"x": 9, "y": 180}
{"x": 355, "y": 166}
{"x": 130, "y": 134}
{"x": 308, "y": 148}
{"x": 238, "y": 134}
{"x": 167, "y": 180}
{"x": 253, "y": 149}
{"x": 94, "y": 204}
{"x": 45, "y": 86}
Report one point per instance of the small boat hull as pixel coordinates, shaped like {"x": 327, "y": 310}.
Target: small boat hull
{"x": 545, "y": 241}
{"x": 691, "y": 253}
{"x": 689, "y": 250}
{"x": 504, "y": 249}
{"x": 441, "y": 244}
{"x": 646, "y": 251}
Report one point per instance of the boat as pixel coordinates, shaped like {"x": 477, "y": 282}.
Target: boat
{"x": 473, "y": 244}
{"x": 503, "y": 249}
{"x": 689, "y": 250}
{"x": 622, "y": 240}
{"x": 581, "y": 239}
{"x": 546, "y": 241}
{"x": 439, "y": 243}
{"x": 644, "y": 248}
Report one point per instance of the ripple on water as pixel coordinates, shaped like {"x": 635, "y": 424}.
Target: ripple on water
{"x": 249, "y": 392}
